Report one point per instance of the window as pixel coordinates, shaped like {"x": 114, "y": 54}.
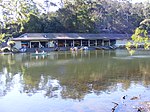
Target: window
{"x": 106, "y": 42}
{"x": 84, "y": 42}
{"x": 92, "y": 42}
{"x": 35, "y": 45}
{"x": 112, "y": 42}
{"x": 25, "y": 44}
{"x": 43, "y": 44}
{"x": 69, "y": 43}
{"x": 77, "y": 43}
{"x": 99, "y": 42}
{"x": 61, "y": 43}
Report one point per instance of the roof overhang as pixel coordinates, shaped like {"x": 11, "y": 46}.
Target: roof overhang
{"x": 69, "y": 36}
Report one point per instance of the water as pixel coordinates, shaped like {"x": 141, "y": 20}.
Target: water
{"x": 74, "y": 82}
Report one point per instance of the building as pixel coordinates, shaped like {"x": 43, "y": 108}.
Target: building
{"x": 67, "y": 40}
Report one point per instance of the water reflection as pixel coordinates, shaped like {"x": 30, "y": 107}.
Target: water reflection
{"x": 67, "y": 75}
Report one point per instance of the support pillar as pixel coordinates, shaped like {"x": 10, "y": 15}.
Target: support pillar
{"x": 73, "y": 43}
{"x": 65, "y": 43}
{"x": 39, "y": 45}
{"x": 102, "y": 42}
{"x": 95, "y": 42}
{"x": 81, "y": 42}
{"x": 30, "y": 45}
{"x": 88, "y": 43}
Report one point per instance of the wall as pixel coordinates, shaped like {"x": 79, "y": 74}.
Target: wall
{"x": 121, "y": 42}
{"x": 18, "y": 44}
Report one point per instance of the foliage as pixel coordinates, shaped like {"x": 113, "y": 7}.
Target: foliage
{"x": 140, "y": 37}
{"x": 51, "y": 24}
{"x": 78, "y": 16}
{"x": 33, "y": 24}
{"x": 11, "y": 43}
{"x": 2, "y": 37}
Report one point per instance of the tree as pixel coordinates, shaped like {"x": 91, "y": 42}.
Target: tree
{"x": 15, "y": 13}
{"x": 53, "y": 25}
{"x": 11, "y": 44}
{"x": 83, "y": 16}
{"x": 77, "y": 16}
{"x": 140, "y": 36}
{"x": 33, "y": 24}
{"x": 2, "y": 37}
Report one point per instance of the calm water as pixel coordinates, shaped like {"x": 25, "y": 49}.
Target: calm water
{"x": 74, "y": 82}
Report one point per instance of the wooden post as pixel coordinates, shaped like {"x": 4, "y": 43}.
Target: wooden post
{"x": 30, "y": 45}
{"x": 95, "y": 42}
{"x": 39, "y": 44}
{"x": 81, "y": 42}
{"x": 88, "y": 43}
{"x": 102, "y": 42}
{"x": 65, "y": 43}
{"x": 73, "y": 43}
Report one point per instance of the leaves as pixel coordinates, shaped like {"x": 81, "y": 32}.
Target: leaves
{"x": 77, "y": 16}
{"x": 140, "y": 37}
{"x": 2, "y": 37}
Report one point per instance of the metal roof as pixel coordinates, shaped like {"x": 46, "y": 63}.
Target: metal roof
{"x": 49, "y": 36}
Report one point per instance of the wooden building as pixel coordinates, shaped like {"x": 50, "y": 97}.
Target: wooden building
{"x": 67, "y": 40}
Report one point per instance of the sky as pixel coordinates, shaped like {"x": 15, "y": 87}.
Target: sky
{"x": 52, "y": 8}
{"x": 57, "y": 2}
{"x": 134, "y": 1}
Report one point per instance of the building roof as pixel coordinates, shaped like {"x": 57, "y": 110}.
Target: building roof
{"x": 59, "y": 36}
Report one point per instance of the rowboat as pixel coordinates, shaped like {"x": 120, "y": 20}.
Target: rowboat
{"x": 102, "y": 48}
{"x": 40, "y": 54}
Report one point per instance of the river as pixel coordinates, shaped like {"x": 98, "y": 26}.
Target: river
{"x": 87, "y": 81}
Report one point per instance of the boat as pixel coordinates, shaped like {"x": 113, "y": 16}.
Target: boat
{"x": 98, "y": 48}
{"x": 40, "y": 54}
{"x": 74, "y": 49}
{"x": 113, "y": 47}
{"x": 102, "y": 48}
{"x": 23, "y": 50}
{"x": 84, "y": 48}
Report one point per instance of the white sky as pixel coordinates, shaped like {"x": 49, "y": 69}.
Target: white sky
{"x": 52, "y": 8}
{"x": 134, "y": 1}
{"x": 56, "y": 1}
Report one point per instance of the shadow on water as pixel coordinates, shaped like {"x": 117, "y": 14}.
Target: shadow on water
{"x": 96, "y": 76}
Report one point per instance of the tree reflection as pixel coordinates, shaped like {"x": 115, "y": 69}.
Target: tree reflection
{"x": 5, "y": 82}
